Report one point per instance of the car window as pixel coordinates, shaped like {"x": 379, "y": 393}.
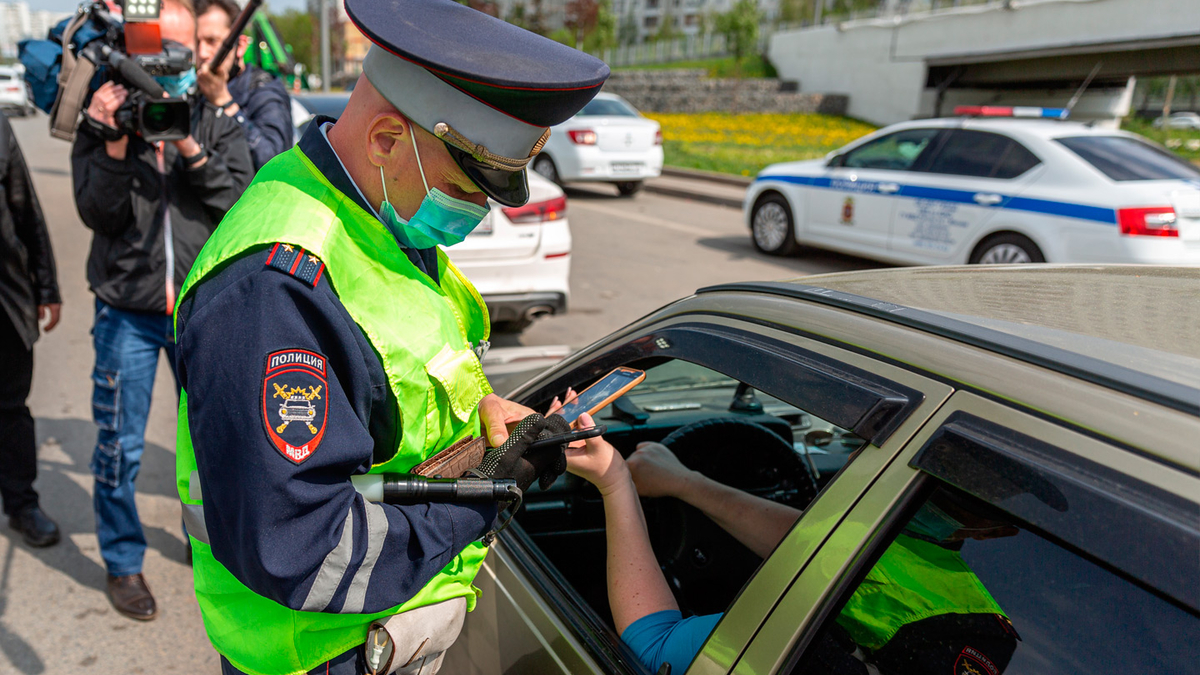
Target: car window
{"x": 1126, "y": 159}
{"x": 982, "y": 155}
{"x": 964, "y": 588}
{"x": 898, "y": 151}
{"x": 608, "y": 106}
{"x": 737, "y": 435}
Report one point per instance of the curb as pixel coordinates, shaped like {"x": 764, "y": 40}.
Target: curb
{"x": 711, "y": 176}
{"x": 694, "y": 196}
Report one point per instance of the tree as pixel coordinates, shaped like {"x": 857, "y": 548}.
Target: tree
{"x": 579, "y": 17}
{"x": 296, "y": 30}
{"x": 627, "y": 34}
{"x": 740, "y": 27}
{"x": 604, "y": 36}
{"x": 666, "y": 23}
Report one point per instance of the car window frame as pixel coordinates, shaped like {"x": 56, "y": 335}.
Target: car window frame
{"x": 781, "y": 643}
{"x": 778, "y": 569}
{"x": 839, "y": 161}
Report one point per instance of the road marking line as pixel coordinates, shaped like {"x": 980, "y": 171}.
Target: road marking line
{"x": 648, "y": 220}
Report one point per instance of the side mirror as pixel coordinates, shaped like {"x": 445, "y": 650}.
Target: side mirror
{"x": 835, "y": 160}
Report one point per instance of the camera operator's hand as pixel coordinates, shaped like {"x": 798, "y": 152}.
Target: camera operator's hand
{"x": 214, "y": 81}
{"x": 192, "y": 152}
{"x": 103, "y": 109}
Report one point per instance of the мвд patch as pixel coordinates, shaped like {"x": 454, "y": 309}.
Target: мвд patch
{"x": 294, "y": 402}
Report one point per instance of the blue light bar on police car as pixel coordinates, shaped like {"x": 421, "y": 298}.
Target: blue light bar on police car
{"x": 1012, "y": 111}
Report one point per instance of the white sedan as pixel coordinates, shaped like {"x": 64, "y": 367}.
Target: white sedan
{"x": 608, "y": 141}
{"x": 1179, "y": 120}
{"x": 977, "y": 190}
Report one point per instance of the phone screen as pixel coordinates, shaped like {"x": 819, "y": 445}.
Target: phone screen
{"x": 597, "y": 393}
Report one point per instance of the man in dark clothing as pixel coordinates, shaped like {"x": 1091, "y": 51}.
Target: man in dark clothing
{"x": 253, "y": 96}
{"x": 28, "y": 291}
{"x": 152, "y": 206}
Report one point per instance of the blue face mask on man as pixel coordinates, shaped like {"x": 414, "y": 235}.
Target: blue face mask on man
{"x": 179, "y": 84}
{"x": 440, "y": 220}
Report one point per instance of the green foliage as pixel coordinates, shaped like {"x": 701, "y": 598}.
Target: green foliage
{"x": 740, "y": 27}
{"x": 563, "y": 35}
{"x": 753, "y": 65}
{"x": 296, "y": 30}
{"x": 627, "y": 33}
{"x": 604, "y": 34}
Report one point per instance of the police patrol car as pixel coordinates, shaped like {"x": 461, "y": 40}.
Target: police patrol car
{"x": 985, "y": 189}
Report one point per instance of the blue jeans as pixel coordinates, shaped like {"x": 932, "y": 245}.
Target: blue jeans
{"x": 127, "y": 346}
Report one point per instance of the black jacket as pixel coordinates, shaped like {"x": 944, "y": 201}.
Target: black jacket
{"x": 265, "y": 113}
{"x": 27, "y": 276}
{"x": 135, "y": 210}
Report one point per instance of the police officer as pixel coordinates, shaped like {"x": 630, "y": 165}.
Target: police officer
{"x": 323, "y": 333}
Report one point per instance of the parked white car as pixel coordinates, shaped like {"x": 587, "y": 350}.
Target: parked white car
{"x": 608, "y": 141}
{"x": 1180, "y": 120}
{"x": 519, "y": 258}
{"x": 14, "y": 93}
{"x": 952, "y": 191}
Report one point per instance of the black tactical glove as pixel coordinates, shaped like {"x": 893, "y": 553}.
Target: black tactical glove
{"x": 513, "y": 460}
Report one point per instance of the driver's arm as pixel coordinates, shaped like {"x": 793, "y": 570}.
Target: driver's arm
{"x": 760, "y": 524}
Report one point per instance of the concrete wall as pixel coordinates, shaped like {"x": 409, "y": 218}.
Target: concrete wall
{"x": 882, "y": 63}
{"x": 688, "y": 91}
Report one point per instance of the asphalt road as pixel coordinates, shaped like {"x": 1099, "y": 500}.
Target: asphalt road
{"x": 630, "y": 257}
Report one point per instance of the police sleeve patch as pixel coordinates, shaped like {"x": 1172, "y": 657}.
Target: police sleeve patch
{"x": 294, "y": 402}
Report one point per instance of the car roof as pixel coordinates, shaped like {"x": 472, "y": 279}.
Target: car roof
{"x": 1039, "y": 128}
{"x": 1132, "y": 328}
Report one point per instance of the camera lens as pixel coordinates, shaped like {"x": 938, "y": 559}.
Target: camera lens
{"x": 158, "y": 118}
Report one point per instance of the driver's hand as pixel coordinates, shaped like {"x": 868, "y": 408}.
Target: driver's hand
{"x": 657, "y": 472}
{"x": 597, "y": 462}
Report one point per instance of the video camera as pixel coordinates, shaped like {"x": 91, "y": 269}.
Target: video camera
{"x": 133, "y": 46}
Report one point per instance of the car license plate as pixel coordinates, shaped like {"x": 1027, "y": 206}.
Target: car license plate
{"x": 627, "y": 167}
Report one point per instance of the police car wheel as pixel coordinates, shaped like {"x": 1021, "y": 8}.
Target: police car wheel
{"x": 771, "y": 226}
{"x": 545, "y": 166}
{"x": 1007, "y": 249}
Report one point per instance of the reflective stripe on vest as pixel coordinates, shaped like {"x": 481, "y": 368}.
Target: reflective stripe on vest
{"x": 423, "y": 333}
{"x": 913, "y": 580}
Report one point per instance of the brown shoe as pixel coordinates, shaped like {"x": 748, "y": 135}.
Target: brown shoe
{"x": 131, "y": 596}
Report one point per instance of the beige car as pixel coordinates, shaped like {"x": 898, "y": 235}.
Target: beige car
{"x": 1062, "y": 402}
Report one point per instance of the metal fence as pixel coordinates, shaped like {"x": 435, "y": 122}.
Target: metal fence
{"x": 688, "y": 48}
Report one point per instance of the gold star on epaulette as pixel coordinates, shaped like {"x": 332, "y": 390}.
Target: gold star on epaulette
{"x": 288, "y": 248}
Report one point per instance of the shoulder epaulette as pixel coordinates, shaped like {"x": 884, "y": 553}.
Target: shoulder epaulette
{"x": 293, "y": 260}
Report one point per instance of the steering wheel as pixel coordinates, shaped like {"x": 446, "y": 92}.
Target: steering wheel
{"x": 704, "y": 565}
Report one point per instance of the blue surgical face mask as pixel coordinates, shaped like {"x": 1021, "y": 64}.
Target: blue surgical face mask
{"x": 179, "y": 84}
{"x": 439, "y": 220}
{"x": 933, "y": 524}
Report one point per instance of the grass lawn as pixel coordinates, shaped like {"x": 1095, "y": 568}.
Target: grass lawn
{"x": 745, "y": 143}
{"x": 1183, "y": 142}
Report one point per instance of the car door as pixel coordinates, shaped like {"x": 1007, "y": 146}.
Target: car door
{"x": 1089, "y": 560}
{"x": 534, "y": 617}
{"x": 969, "y": 177}
{"x": 854, "y": 212}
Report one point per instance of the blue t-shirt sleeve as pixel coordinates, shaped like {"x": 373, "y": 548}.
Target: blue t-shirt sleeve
{"x": 667, "y": 637}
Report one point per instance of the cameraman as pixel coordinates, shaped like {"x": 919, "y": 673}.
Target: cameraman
{"x": 253, "y": 97}
{"x": 151, "y": 206}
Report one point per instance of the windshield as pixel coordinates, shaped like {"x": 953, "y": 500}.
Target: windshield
{"x": 608, "y": 106}
{"x": 1124, "y": 159}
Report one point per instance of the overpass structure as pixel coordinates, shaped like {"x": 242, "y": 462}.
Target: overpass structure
{"x": 1008, "y": 52}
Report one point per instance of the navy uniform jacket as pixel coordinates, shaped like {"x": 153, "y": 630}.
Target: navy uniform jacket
{"x": 274, "y": 523}
{"x": 265, "y": 113}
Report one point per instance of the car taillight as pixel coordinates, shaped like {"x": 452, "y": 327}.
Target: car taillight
{"x": 538, "y": 212}
{"x": 658, "y": 137}
{"x": 1149, "y": 221}
{"x": 582, "y": 136}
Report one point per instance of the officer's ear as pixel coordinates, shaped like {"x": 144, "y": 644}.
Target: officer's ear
{"x": 386, "y": 136}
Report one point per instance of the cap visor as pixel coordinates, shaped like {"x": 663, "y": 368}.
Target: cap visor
{"x": 510, "y": 188}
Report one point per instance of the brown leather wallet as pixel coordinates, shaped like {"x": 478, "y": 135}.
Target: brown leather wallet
{"x": 455, "y": 460}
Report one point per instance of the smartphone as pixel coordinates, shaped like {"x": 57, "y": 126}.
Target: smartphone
{"x": 608, "y": 389}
